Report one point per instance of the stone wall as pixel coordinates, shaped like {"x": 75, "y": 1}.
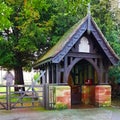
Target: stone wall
{"x": 99, "y": 95}
{"x": 103, "y": 95}
{"x": 61, "y": 95}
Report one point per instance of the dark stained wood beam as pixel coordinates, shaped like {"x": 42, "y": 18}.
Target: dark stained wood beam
{"x": 65, "y": 69}
{"x": 83, "y": 55}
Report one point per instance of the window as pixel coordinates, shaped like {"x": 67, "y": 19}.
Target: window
{"x": 84, "y": 45}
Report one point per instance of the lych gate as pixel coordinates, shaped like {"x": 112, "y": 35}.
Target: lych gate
{"x": 81, "y": 60}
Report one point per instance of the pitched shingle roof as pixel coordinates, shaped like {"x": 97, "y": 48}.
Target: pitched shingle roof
{"x": 71, "y": 34}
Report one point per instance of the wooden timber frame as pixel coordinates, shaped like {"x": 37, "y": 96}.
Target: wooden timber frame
{"x": 82, "y": 53}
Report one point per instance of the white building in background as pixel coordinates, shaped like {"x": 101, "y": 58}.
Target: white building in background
{"x": 115, "y": 8}
{"x": 118, "y": 3}
{"x": 115, "y": 4}
{"x": 28, "y": 76}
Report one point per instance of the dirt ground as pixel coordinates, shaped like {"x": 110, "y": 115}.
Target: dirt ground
{"x": 68, "y": 114}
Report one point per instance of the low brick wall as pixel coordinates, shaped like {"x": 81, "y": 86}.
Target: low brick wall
{"x": 103, "y": 95}
{"x": 62, "y": 95}
{"x": 99, "y": 95}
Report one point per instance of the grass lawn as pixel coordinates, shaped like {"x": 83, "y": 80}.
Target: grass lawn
{"x": 16, "y": 97}
{"x": 2, "y": 89}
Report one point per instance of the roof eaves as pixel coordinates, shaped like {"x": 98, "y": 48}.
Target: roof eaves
{"x": 36, "y": 65}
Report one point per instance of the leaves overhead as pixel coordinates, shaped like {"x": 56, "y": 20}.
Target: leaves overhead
{"x": 5, "y": 12}
{"x": 23, "y": 33}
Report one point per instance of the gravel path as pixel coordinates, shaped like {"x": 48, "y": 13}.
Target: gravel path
{"x": 71, "y": 114}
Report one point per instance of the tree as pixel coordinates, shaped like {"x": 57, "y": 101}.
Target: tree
{"x": 33, "y": 24}
{"x": 22, "y": 34}
{"x": 65, "y": 13}
{"x": 5, "y": 12}
{"x": 114, "y": 72}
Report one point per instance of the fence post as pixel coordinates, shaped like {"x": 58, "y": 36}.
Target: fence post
{"x": 46, "y": 96}
{"x": 8, "y": 97}
{"x": 51, "y": 97}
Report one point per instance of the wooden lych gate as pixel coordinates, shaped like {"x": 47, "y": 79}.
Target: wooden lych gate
{"x": 81, "y": 60}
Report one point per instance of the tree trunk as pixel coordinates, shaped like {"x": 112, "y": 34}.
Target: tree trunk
{"x": 19, "y": 78}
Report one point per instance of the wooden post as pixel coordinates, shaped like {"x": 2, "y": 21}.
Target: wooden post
{"x": 101, "y": 72}
{"x": 57, "y": 73}
{"x": 106, "y": 74}
{"x": 8, "y": 97}
{"x": 65, "y": 69}
{"x": 47, "y": 74}
{"x": 52, "y": 73}
{"x": 46, "y": 96}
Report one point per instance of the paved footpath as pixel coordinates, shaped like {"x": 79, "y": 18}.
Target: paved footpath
{"x": 71, "y": 114}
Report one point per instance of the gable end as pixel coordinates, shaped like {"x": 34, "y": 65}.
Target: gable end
{"x": 57, "y": 58}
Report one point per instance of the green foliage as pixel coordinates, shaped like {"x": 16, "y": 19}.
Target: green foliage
{"x": 5, "y": 12}
{"x": 23, "y": 31}
{"x": 114, "y": 74}
{"x": 60, "y": 106}
{"x": 6, "y": 56}
{"x": 65, "y": 14}
{"x": 28, "y": 33}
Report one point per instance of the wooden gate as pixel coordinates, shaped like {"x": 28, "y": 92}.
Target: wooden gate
{"x": 33, "y": 96}
{"x": 3, "y": 97}
{"x": 49, "y": 96}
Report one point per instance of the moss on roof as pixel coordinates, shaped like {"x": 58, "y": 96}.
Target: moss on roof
{"x": 62, "y": 42}
{"x": 65, "y": 39}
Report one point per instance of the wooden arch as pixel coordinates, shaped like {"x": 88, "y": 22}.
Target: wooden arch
{"x": 76, "y": 60}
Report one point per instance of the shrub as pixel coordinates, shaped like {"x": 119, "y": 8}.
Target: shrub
{"x": 60, "y": 106}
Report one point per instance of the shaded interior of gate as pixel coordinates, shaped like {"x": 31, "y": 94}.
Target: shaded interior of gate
{"x": 83, "y": 73}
